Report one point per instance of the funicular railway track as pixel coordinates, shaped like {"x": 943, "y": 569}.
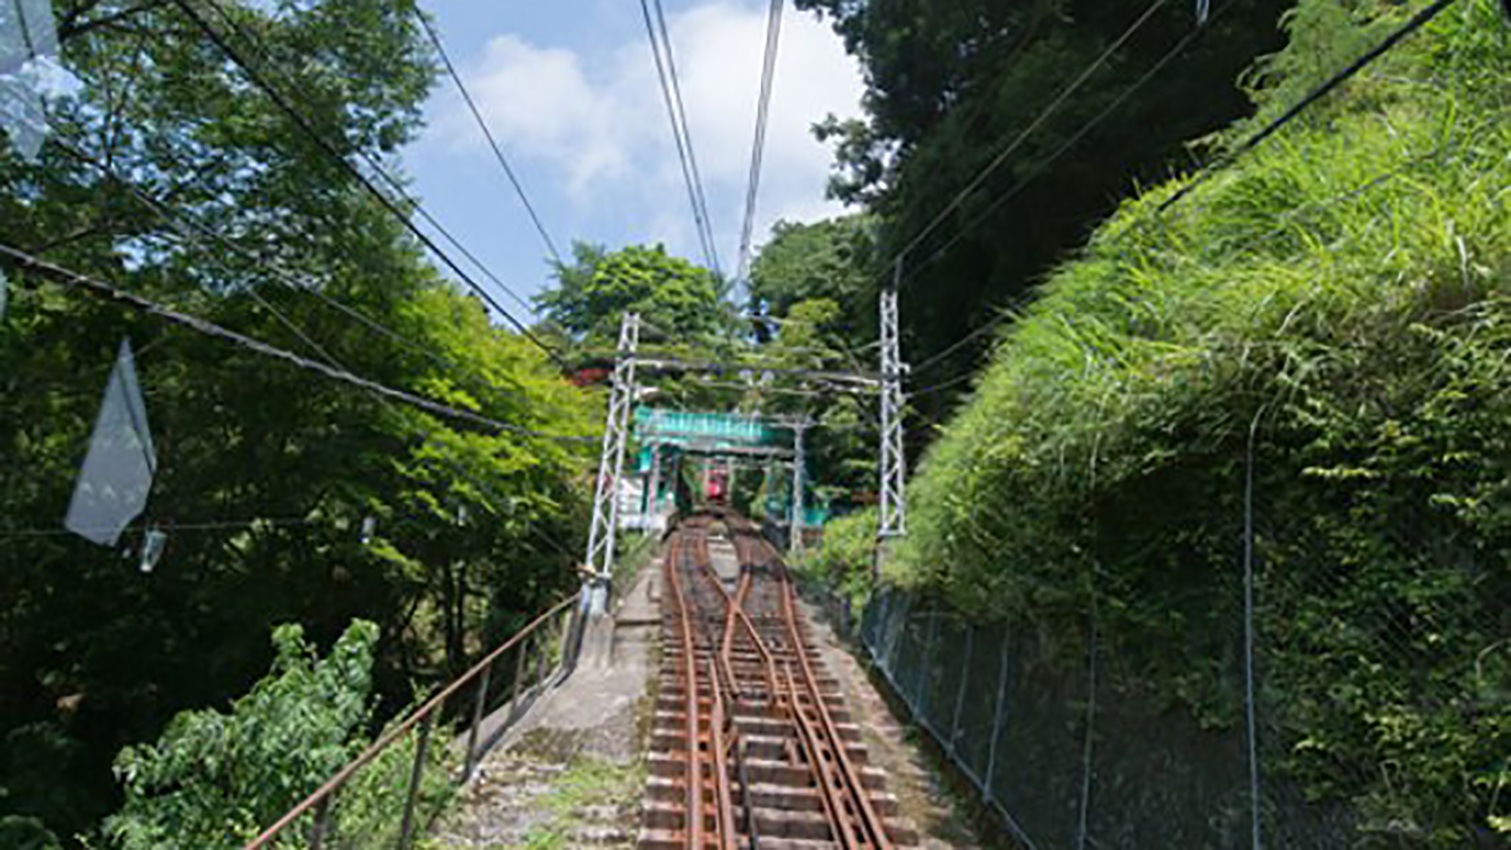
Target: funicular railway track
{"x": 753, "y": 746}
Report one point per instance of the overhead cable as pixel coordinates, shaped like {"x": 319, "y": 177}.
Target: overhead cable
{"x": 394, "y": 185}
{"x": 1042, "y": 166}
{"x": 67, "y": 277}
{"x": 498, "y": 153}
{"x": 195, "y": 231}
{"x": 757, "y": 148}
{"x": 1416, "y": 22}
{"x": 1054, "y": 105}
{"x": 687, "y": 135}
{"x": 676, "y": 116}
{"x": 397, "y": 187}
{"x": 304, "y": 125}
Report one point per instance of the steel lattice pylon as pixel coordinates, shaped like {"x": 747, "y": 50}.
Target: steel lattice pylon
{"x": 893, "y": 507}
{"x": 616, "y": 431}
{"x": 796, "y": 544}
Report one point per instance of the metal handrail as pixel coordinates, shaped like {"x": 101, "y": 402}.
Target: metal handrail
{"x": 318, "y": 801}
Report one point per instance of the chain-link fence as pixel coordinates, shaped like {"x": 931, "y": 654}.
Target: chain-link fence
{"x": 1072, "y": 734}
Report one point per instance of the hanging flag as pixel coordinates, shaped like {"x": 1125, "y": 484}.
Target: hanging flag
{"x": 28, "y": 48}
{"x": 4, "y": 294}
{"x": 112, "y": 487}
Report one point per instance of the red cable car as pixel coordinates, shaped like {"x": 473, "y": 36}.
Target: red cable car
{"x": 717, "y": 486}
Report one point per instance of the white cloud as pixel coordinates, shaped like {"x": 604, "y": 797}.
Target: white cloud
{"x": 600, "y": 123}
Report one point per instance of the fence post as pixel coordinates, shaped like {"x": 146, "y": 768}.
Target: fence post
{"x": 416, "y": 774}
{"x": 897, "y": 635}
{"x": 991, "y": 752}
{"x": 322, "y": 824}
{"x": 965, "y": 676}
{"x": 478, "y": 707}
{"x": 920, "y": 688}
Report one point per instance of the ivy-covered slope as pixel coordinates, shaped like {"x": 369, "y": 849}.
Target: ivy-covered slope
{"x": 1337, "y": 307}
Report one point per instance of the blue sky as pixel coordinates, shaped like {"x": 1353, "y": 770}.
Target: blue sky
{"x": 569, "y": 90}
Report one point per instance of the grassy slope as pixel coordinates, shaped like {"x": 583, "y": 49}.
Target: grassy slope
{"x": 1341, "y": 294}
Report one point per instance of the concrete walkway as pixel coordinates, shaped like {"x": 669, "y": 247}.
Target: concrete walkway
{"x": 571, "y": 772}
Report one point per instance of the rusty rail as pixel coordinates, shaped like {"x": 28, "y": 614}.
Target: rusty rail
{"x": 745, "y": 652}
{"x": 546, "y": 635}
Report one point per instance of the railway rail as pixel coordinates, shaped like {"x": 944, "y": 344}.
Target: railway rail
{"x": 753, "y": 745}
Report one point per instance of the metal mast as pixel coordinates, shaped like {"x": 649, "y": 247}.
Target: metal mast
{"x": 599, "y": 565}
{"x": 893, "y": 508}
{"x": 795, "y": 545}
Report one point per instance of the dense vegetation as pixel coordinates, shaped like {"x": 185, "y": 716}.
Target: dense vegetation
{"x": 1330, "y": 311}
{"x": 951, "y": 84}
{"x": 286, "y": 497}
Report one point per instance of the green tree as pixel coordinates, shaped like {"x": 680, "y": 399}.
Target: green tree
{"x": 266, "y": 474}
{"x": 672, "y": 295}
{"x": 951, "y": 84}
{"x": 214, "y": 780}
{"x": 831, "y": 259}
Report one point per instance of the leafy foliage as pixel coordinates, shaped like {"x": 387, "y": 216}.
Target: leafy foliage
{"x": 668, "y": 292}
{"x": 1341, "y": 295}
{"x": 214, "y": 780}
{"x": 951, "y": 84}
{"x": 267, "y": 474}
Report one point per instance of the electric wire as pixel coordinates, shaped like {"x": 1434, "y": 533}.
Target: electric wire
{"x": 1416, "y": 22}
{"x": 684, "y": 146}
{"x": 943, "y": 385}
{"x": 692, "y": 158}
{"x": 305, "y": 126}
{"x": 195, "y": 231}
{"x": 498, "y": 153}
{"x": 398, "y": 188}
{"x": 1042, "y": 166}
{"x": 758, "y": 146}
{"x": 67, "y": 277}
{"x": 1043, "y": 116}
{"x": 219, "y": 525}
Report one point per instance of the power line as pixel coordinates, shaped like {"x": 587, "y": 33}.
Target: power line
{"x": 1038, "y": 122}
{"x": 401, "y": 192}
{"x": 687, "y": 135}
{"x": 398, "y": 189}
{"x": 519, "y": 189}
{"x": 271, "y": 522}
{"x": 671, "y": 94}
{"x": 757, "y": 148}
{"x": 305, "y": 126}
{"x": 1042, "y": 166}
{"x": 1284, "y": 220}
{"x": 1417, "y": 21}
{"x": 67, "y": 277}
{"x": 943, "y": 385}
{"x": 195, "y": 230}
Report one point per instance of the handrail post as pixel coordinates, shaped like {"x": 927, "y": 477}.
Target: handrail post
{"x": 416, "y": 774}
{"x": 540, "y": 657}
{"x": 478, "y": 707}
{"x": 519, "y": 675}
{"x": 322, "y": 823}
